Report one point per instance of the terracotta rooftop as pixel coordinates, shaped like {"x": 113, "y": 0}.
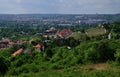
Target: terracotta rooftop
{"x": 64, "y": 32}
{"x": 11, "y": 43}
{"x": 17, "y": 52}
{"x": 38, "y": 46}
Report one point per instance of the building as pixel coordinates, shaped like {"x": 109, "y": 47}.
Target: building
{"x": 17, "y": 52}
{"x": 63, "y": 33}
{"x": 38, "y": 47}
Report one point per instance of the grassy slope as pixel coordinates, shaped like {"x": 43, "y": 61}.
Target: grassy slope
{"x": 90, "y": 32}
{"x": 76, "y": 35}
{"x": 89, "y": 70}
{"x": 95, "y": 31}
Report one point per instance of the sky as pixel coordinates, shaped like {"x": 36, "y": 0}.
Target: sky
{"x": 59, "y": 6}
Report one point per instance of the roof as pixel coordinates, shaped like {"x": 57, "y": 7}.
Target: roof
{"x": 38, "y": 46}
{"x": 19, "y": 42}
{"x": 51, "y": 29}
{"x": 2, "y": 45}
{"x": 5, "y": 40}
{"x": 11, "y": 43}
{"x": 64, "y": 32}
{"x": 17, "y": 52}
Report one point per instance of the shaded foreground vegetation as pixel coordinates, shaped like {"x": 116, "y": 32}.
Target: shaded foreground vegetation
{"x": 75, "y": 72}
{"x": 72, "y": 74}
{"x": 56, "y": 61}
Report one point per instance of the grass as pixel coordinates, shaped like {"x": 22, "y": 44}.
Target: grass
{"x": 89, "y": 32}
{"x": 76, "y": 35}
{"x": 89, "y": 70}
{"x": 95, "y": 32}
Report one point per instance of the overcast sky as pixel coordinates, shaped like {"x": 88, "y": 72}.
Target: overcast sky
{"x": 60, "y": 6}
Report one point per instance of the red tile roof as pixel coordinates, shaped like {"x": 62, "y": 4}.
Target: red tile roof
{"x": 64, "y": 32}
{"x": 11, "y": 43}
{"x": 38, "y": 46}
{"x": 17, "y": 52}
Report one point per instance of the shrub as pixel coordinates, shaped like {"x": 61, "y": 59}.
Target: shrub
{"x": 3, "y": 65}
{"x": 117, "y": 55}
{"x": 91, "y": 55}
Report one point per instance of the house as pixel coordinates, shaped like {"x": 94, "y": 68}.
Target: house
{"x": 3, "y": 44}
{"x": 10, "y": 43}
{"x": 17, "y": 52}
{"x": 19, "y": 42}
{"x": 38, "y": 47}
{"x": 63, "y": 33}
{"x": 5, "y": 40}
{"x": 49, "y": 32}
{"x": 51, "y": 29}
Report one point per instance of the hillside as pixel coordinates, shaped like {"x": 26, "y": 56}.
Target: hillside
{"x": 95, "y": 32}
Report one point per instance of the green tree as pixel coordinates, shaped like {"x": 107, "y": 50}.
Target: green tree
{"x": 4, "y": 64}
{"x": 117, "y": 55}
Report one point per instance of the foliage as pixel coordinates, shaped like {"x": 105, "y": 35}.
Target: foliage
{"x": 61, "y": 54}
{"x": 95, "y": 32}
{"x": 4, "y": 65}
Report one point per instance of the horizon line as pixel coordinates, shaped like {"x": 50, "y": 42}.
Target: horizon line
{"x": 55, "y": 13}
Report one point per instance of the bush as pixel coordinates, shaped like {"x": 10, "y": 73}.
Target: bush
{"x": 117, "y": 55}
{"x": 91, "y": 55}
{"x": 3, "y": 65}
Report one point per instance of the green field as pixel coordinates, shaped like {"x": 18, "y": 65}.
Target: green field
{"x": 77, "y": 35}
{"x": 89, "y": 32}
{"x": 95, "y": 31}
